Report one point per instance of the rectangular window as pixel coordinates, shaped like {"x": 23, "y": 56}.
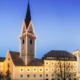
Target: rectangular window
{"x": 46, "y": 63}
{"x": 30, "y": 41}
{"x": 21, "y": 75}
{"x": 40, "y": 75}
{"x": 46, "y": 75}
{"x": 34, "y": 75}
{"x": 28, "y": 75}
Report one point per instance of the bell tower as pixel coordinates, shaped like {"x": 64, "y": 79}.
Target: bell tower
{"x": 27, "y": 39}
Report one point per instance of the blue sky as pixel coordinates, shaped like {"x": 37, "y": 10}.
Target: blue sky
{"x": 56, "y": 24}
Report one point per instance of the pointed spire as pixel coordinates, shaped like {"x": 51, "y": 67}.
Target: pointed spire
{"x": 28, "y": 16}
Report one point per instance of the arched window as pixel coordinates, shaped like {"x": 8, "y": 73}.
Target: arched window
{"x": 23, "y": 41}
{"x": 30, "y": 41}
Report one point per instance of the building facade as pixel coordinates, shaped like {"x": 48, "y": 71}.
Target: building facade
{"x": 54, "y": 65}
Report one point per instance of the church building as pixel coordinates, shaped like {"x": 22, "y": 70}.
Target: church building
{"x": 54, "y": 65}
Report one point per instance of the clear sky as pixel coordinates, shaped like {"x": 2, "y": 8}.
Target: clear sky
{"x": 56, "y": 24}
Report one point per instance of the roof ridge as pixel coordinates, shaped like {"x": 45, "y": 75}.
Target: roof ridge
{"x": 14, "y": 51}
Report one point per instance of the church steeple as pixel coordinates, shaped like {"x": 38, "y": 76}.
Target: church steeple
{"x": 27, "y": 39}
{"x": 28, "y": 16}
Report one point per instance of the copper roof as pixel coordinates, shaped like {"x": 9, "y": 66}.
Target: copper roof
{"x": 59, "y": 55}
{"x": 16, "y": 58}
{"x": 2, "y": 59}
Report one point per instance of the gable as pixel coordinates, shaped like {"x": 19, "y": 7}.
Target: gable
{"x": 30, "y": 28}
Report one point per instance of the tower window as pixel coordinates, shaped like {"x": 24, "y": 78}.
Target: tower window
{"x": 23, "y": 41}
{"x": 30, "y": 41}
{"x": 30, "y": 31}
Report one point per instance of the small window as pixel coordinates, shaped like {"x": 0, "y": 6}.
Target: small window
{"x": 69, "y": 69}
{"x": 30, "y": 31}
{"x": 8, "y": 65}
{"x": 74, "y": 63}
{"x": 8, "y": 58}
{"x": 58, "y": 69}
{"x": 47, "y": 69}
{"x": 40, "y": 75}
{"x": 40, "y": 69}
{"x": 34, "y": 75}
{"x": 74, "y": 69}
{"x": 69, "y": 63}
{"x": 52, "y": 70}
{"x": 52, "y": 79}
{"x": 21, "y": 75}
{"x": 58, "y": 63}
{"x": 58, "y": 75}
{"x": 46, "y": 75}
{"x": 34, "y": 69}
{"x": 21, "y": 70}
{"x": 52, "y": 63}
{"x": 23, "y": 41}
{"x": 74, "y": 74}
{"x": 69, "y": 75}
{"x": 28, "y": 75}
{"x": 28, "y": 70}
{"x": 30, "y": 41}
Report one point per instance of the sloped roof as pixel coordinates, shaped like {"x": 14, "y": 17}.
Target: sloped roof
{"x": 36, "y": 62}
{"x": 18, "y": 61}
{"x": 16, "y": 58}
{"x": 2, "y": 59}
{"x": 28, "y": 16}
{"x": 59, "y": 54}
